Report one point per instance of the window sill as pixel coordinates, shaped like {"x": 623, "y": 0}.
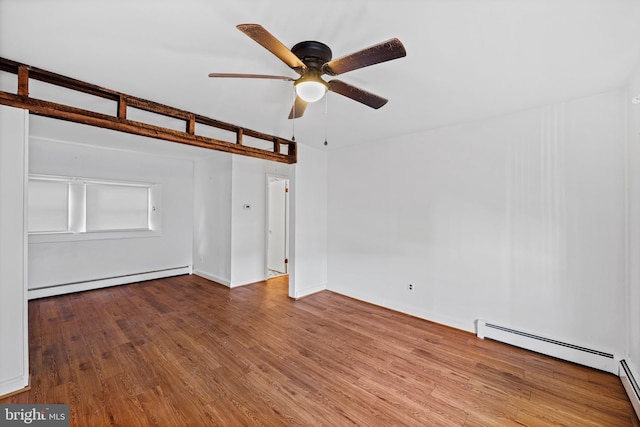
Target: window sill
{"x": 92, "y": 235}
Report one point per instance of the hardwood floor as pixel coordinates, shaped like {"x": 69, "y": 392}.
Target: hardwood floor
{"x": 187, "y": 352}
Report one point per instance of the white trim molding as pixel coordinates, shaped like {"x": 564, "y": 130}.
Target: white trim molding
{"x": 68, "y": 288}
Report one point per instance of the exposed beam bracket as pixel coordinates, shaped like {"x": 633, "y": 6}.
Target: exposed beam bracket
{"x": 239, "y": 134}
{"x": 23, "y": 80}
{"x": 122, "y": 107}
{"x": 191, "y": 125}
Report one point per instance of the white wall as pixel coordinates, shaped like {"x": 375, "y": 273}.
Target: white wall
{"x": 58, "y": 263}
{"x": 633, "y": 295}
{"x": 212, "y": 217}
{"x": 249, "y": 226}
{"x": 308, "y": 241}
{"x": 14, "y": 352}
{"x": 518, "y": 220}
{"x": 230, "y": 241}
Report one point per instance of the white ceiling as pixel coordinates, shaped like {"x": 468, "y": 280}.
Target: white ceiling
{"x": 466, "y": 59}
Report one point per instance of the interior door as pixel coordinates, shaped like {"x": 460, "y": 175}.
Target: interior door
{"x": 277, "y": 233}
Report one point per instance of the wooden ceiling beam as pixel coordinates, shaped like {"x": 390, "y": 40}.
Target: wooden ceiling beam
{"x": 120, "y": 122}
{"x": 64, "y": 112}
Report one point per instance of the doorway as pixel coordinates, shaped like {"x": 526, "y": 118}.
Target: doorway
{"x": 277, "y": 226}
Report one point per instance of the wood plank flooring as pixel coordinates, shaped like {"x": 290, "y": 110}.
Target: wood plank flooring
{"x": 184, "y": 351}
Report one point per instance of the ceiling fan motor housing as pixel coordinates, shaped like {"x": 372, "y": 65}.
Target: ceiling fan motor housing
{"x": 312, "y": 53}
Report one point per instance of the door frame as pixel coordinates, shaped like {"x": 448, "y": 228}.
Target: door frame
{"x": 270, "y": 178}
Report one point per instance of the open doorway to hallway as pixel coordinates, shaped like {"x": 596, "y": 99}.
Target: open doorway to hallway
{"x": 277, "y": 226}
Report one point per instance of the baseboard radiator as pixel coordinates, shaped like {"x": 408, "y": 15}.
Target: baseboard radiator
{"x": 630, "y": 383}
{"x": 66, "y": 288}
{"x": 562, "y": 350}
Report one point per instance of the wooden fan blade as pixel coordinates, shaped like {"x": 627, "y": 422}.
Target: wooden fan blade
{"x": 272, "y": 44}
{"x": 251, "y": 76}
{"x": 297, "y": 110}
{"x": 382, "y": 52}
{"x": 357, "y": 94}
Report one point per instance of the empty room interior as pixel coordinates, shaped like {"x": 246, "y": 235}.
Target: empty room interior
{"x": 446, "y": 233}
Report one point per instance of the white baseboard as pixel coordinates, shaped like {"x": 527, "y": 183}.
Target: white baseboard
{"x": 630, "y": 376}
{"x": 104, "y": 283}
{"x": 212, "y": 277}
{"x": 301, "y": 293}
{"x": 14, "y": 385}
{"x": 411, "y": 311}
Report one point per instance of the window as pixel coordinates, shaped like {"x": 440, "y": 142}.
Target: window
{"x": 89, "y": 208}
{"x": 117, "y": 207}
{"x": 48, "y": 206}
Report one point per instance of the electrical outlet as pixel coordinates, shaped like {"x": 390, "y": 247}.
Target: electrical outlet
{"x": 410, "y": 287}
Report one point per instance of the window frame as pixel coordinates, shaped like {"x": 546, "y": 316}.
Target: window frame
{"x": 77, "y": 212}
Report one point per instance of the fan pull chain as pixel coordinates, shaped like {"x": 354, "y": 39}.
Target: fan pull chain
{"x": 293, "y": 119}
{"x": 326, "y": 117}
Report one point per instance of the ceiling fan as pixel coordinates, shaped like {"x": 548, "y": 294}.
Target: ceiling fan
{"x": 312, "y": 60}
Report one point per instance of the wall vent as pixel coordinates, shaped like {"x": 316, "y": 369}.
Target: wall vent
{"x": 551, "y": 347}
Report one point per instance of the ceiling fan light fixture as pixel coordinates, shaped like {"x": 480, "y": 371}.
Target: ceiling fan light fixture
{"x": 310, "y": 90}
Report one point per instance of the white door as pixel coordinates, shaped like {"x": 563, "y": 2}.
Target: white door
{"x": 277, "y": 233}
